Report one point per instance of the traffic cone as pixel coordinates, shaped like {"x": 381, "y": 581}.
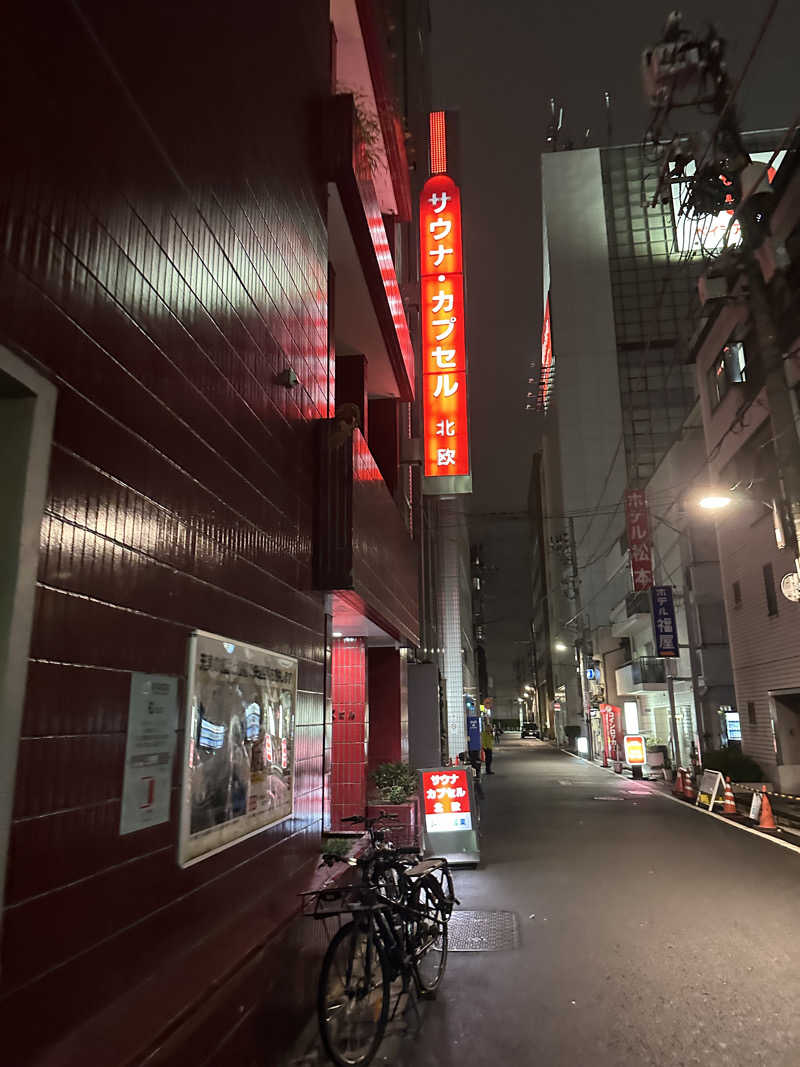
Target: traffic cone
{"x": 688, "y": 788}
{"x": 678, "y": 790}
{"x": 767, "y": 820}
{"x": 729, "y": 803}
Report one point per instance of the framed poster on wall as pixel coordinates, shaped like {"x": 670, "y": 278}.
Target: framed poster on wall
{"x": 238, "y": 762}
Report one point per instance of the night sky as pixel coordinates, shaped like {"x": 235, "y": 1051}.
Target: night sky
{"x": 499, "y": 63}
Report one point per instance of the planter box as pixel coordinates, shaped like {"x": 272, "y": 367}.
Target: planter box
{"x": 405, "y": 829}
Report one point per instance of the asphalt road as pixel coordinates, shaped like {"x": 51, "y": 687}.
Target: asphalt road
{"x": 650, "y": 934}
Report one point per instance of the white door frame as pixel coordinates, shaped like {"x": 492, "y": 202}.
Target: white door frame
{"x": 29, "y": 432}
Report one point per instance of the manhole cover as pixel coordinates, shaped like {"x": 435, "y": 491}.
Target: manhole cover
{"x": 482, "y": 931}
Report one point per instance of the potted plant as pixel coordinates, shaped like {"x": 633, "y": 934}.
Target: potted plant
{"x": 395, "y": 792}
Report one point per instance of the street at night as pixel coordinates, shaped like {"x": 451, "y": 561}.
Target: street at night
{"x": 648, "y": 933}
{"x": 399, "y": 534}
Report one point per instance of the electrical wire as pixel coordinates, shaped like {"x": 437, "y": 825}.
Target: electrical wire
{"x": 734, "y": 93}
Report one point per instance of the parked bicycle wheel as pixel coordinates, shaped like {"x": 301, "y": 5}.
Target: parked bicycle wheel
{"x": 428, "y": 933}
{"x": 444, "y": 879}
{"x": 353, "y": 996}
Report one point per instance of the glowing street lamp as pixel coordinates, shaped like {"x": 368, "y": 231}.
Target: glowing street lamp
{"x": 560, "y": 646}
{"x": 714, "y": 502}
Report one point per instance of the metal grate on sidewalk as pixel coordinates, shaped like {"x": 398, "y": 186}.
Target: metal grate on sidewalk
{"x": 483, "y": 931}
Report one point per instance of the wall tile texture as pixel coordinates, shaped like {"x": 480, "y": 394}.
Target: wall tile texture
{"x": 163, "y": 257}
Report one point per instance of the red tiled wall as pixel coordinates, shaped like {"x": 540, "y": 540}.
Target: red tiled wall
{"x": 388, "y": 720}
{"x": 164, "y": 256}
{"x": 349, "y": 734}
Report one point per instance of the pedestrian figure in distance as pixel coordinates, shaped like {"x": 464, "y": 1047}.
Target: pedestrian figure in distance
{"x": 487, "y": 741}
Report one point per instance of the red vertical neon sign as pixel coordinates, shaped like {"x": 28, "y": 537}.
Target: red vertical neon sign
{"x": 638, "y": 527}
{"x": 444, "y": 365}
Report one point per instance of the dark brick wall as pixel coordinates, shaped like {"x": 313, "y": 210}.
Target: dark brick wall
{"x": 164, "y": 255}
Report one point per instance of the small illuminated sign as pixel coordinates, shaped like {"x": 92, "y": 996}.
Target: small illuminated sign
{"x": 635, "y": 751}
{"x": 446, "y": 797}
{"x": 444, "y": 361}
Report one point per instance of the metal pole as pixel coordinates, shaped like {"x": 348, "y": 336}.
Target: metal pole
{"x": 673, "y": 722}
{"x": 580, "y": 643}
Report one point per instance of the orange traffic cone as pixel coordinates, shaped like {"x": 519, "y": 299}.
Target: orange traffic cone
{"x": 678, "y": 790}
{"x": 688, "y": 788}
{"x": 729, "y": 803}
{"x": 767, "y": 820}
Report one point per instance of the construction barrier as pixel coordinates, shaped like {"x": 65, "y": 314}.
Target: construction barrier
{"x": 766, "y": 819}
{"x": 689, "y": 790}
{"x": 729, "y": 802}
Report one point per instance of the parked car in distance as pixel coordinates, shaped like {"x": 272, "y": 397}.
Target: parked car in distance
{"x": 529, "y": 729}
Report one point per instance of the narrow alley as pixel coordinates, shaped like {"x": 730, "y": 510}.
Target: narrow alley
{"x": 648, "y": 933}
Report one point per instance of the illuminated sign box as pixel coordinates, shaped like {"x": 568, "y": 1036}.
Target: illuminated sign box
{"x": 446, "y": 461}
{"x": 449, "y": 813}
{"x": 635, "y": 750}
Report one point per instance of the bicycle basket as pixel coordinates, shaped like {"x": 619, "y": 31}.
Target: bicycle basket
{"x": 339, "y": 900}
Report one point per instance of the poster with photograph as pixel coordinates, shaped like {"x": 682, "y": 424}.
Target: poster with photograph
{"x": 238, "y": 773}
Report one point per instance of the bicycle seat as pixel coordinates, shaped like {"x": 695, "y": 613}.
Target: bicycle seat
{"x": 423, "y": 867}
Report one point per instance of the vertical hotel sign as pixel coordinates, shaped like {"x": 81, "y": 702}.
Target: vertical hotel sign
{"x": 444, "y": 366}
{"x": 638, "y": 528}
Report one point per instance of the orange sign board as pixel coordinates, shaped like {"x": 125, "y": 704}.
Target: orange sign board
{"x": 635, "y": 750}
{"x": 444, "y": 361}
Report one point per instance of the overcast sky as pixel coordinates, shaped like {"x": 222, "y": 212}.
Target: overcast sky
{"x": 499, "y": 62}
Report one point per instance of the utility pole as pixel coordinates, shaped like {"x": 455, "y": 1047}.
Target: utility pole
{"x": 682, "y": 71}
{"x": 580, "y": 642}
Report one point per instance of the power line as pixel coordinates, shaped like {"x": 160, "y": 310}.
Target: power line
{"x": 733, "y": 94}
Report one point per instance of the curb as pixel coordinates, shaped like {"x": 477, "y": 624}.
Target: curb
{"x": 726, "y": 820}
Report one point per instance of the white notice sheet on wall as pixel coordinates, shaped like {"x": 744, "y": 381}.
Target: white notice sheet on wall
{"x": 149, "y": 752}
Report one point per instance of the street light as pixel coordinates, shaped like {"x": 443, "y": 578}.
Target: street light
{"x": 714, "y": 503}
{"x": 560, "y": 646}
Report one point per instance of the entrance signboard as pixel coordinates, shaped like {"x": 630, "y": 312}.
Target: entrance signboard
{"x": 710, "y": 784}
{"x": 449, "y": 814}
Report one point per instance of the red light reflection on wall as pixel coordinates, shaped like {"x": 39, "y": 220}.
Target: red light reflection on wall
{"x": 443, "y": 351}
{"x": 548, "y": 366}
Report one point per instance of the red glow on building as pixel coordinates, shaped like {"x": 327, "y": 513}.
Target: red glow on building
{"x": 548, "y": 364}
{"x": 443, "y": 349}
{"x": 438, "y": 131}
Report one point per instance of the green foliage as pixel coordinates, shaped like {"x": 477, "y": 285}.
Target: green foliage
{"x": 337, "y": 846}
{"x": 395, "y": 782}
{"x": 370, "y": 134}
{"x": 733, "y": 764}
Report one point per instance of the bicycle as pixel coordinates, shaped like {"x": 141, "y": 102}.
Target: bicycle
{"x": 390, "y": 863}
{"x": 399, "y": 934}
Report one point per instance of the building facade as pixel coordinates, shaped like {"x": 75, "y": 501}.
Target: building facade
{"x": 739, "y": 393}
{"x": 611, "y": 392}
{"x": 206, "y": 375}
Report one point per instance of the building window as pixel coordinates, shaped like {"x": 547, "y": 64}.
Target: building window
{"x": 769, "y": 589}
{"x": 737, "y": 594}
{"x": 733, "y": 726}
{"x": 751, "y": 712}
{"x": 728, "y": 368}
